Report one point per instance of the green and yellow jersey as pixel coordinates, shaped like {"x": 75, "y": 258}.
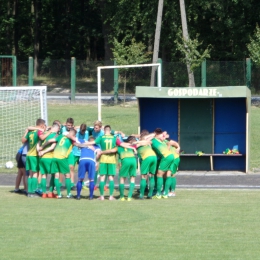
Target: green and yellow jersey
{"x": 160, "y": 148}
{"x": 145, "y": 151}
{"x": 173, "y": 150}
{"x": 125, "y": 152}
{"x": 107, "y": 142}
{"x": 48, "y": 154}
{"x": 63, "y": 147}
{"x": 33, "y": 138}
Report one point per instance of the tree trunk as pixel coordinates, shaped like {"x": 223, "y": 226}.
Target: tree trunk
{"x": 186, "y": 37}
{"x": 108, "y": 73}
{"x": 35, "y": 11}
{"x": 157, "y": 39}
{"x": 15, "y": 29}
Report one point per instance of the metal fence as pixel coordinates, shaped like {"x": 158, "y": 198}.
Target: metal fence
{"x": 56, "y": 74}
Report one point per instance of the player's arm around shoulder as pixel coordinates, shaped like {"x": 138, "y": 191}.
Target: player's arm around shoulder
{"x": 113, "y": 150}
{"x": 174, "y": 144}
{"x": 25, "y": 137}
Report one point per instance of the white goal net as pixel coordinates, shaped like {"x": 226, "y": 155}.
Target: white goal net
{"x": 20, "y": 107}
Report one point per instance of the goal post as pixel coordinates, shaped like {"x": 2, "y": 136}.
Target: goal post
{"x": 159, "y": 78}
{"x": 20, "y": 107}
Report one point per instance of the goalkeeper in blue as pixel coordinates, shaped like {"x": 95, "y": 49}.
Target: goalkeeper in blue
{"x": 87, "y": 163}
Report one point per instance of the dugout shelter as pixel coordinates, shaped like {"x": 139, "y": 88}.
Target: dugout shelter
{"x": 207, "y": 119}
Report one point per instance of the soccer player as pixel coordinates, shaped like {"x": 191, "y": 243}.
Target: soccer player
{"x": 43, "y": 134}
{"x": 165, "y": 164}
{"x": 107, "y": 165}
{"x": 32, "y": 160}
{"x": 175, "y": 149}
{"x": 127, "y": 169}
{"x": 74, "y": 157}
{"x": 21, "y": 174}
{"x": 60, "y": 160}
{"x": 65, "y": 130}
{"x": 87, "y": 163}
{"x": 46, "y": 156}
{"x": 148, "y": 162}
{"x": 96, "y": 132}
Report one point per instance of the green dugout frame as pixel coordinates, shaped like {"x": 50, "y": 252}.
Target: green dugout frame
{"x": 208, "y": 119}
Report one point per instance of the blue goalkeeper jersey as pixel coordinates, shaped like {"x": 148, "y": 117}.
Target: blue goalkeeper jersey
{"x": 87, "y": 153}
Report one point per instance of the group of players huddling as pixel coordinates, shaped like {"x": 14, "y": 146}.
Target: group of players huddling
{"x": 99, "y": 151}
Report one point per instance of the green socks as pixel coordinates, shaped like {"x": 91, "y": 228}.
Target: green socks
{"x": 111, "y": 187}
{"x": 68, "y": 185}
{"x": 121, "y": 190}
{"x": 142, "y": 187}
{"x": 43, "y": 185}
{"x": 57, "y": 184}
{"x": 51, "y": 185}
{"x": 159, "y": 185}
{"x": 167, "y": 185}
{"x": 30, "y": 185}
{"x": 173, "y": 184}
{"x": 101, "y": 188}
{"x": 34, "y": 184}
{"x": 151, "y": 186}
{"x": 131, "y": 189}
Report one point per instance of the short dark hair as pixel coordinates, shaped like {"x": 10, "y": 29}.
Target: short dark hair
{"x": 83, "y": 127}
{"x": 158, "y": 131}
{"x": 70, "y": 120}
{"x": 144, "y": 132}
{"x": 107, "y": 126}
{"x": 40, "y": 122}
{"x": 56, "y": 122}
{"x": 130, "y": 138}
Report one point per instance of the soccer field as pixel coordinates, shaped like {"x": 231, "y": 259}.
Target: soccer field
{"x": 196, "y": 224}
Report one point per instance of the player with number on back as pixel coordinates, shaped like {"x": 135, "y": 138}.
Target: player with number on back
{"x": 60, "y": 160}
{"x": 107, "y": 166}
{"x": 32, "y": 159}
{"x": 46, "y": 156}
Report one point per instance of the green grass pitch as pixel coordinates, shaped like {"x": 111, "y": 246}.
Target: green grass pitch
{"x": 196, "y": 224}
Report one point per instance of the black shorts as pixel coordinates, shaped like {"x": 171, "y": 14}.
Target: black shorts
{"x": 19, "y": 161}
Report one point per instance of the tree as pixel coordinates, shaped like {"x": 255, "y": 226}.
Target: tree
{"x": 186, "y": 39}
{"x": 157, "y": 39}
{"x": 127, "y": 54}
{"x": 254, "y": 46}
{"x": 189, "y": 49}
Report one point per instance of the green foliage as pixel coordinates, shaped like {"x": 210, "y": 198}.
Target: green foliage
{"x": 126, "y": 53}
{"x": 79, "y": 28}
{"x": 254, "y": 47}
{"x": 189, "y": 49}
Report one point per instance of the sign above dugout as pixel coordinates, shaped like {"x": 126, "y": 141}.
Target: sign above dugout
{"x": 195, "y": 92}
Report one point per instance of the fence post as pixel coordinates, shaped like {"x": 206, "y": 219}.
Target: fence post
{"x": 73, "y": 79}
{"x": 248, "y": 72}
{"x": 115, "y": 84}
{"x": 14, "y": 68}
{"x": 204, "y": 73}
{"x": 30, "y": 72}
{"x": 160, "y": 61}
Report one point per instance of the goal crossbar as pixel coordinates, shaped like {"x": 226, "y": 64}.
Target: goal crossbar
{"x": 159, "y": 78}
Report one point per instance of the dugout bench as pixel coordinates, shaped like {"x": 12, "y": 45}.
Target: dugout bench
{"x": 208, "y": 119}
